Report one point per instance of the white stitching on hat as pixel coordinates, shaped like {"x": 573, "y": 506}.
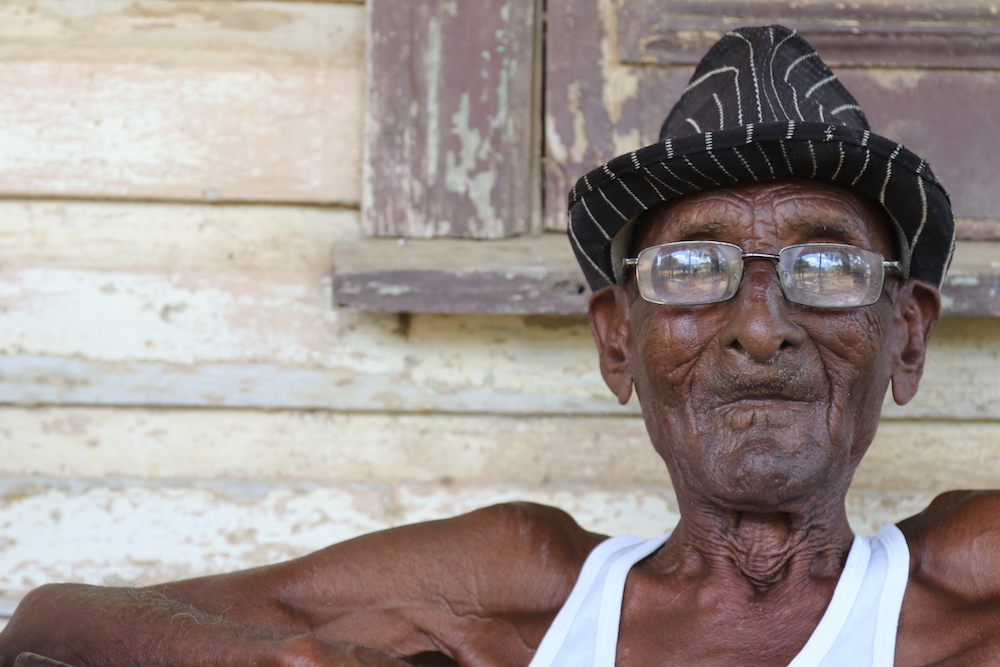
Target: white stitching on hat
{"x": 669, "y": 144}
{"x": 920, "y": 169}
{"x": 653, "y": 185}
{"x": 635, "y": 159}
{"x": 753, "y": 73}
{"x": 607, "y": 170}
{"x": 845, "y": 107}
{"x": 865, "y": 137}
{"x": 693, "y": 124}
{"x": 923, "y": 215}
{"x": 828, "y": 134}
{"x": 745, "y": 163}
{"x": 951, "y": 254}
{"x": 671, "y": 172}
{"x": 586, "y": 181}
{"x": 784, "y": 153}
{"x": 888, "y": 172}
{"x": 868, "y": 157}
{"x": 796, "y": 62}
{"x": 700, "y": 173}
{"x": 736, "y": 86}
{"x": 819, "y": 84}
{"x": 750, "y": 133}
{"x": 708, "y": 141}
{"x": 622, "y": 215}
{"x": 596, "y": 224}
{"x": 660, "y": 181}
{"x": 770, "y": 167}
{"x": 791, "y": 130}
{"x": 576, "y": 242}
{"x": 840, "y": 164}
{"x": 722, "y": 115}
{"x": 724, "y": 170}
{"x": 812, "y": 154}
{"x": 639, "y": 201}
{"x": 774, "y": 54}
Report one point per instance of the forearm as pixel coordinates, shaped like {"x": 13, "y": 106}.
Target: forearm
{"x": 105, "y": 627}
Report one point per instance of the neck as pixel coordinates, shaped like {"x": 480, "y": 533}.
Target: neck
{"x": 762, "y": 549}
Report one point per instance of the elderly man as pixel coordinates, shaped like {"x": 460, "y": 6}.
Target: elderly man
{"x": 762, "y": 275}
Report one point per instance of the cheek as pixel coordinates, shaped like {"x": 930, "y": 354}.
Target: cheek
{"x": 670, "y": 344}
{"x": 853, "y": 352}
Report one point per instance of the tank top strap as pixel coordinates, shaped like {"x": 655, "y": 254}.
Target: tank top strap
{"x": 587, "y": 624}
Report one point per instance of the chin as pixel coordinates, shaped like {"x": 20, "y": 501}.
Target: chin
{"x": 763, "y": 476}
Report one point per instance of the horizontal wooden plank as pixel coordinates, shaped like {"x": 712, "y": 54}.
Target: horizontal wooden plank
{"x": 338, "y": 448}
{"x": 185, "y": 132}
{"x": 166, "y": 32}
{"x": 211, "y": 101}
{"x": 128, "y": 532}
{"x": 893, "y": 34}
{"x": 63, "y": 345}
{"x": 540, "y": 275}
{"x": 325, "y": 446}
{"x": 141, "y": 533}
{"x": 172, "y": 238}
{"x": 535, "y": 274}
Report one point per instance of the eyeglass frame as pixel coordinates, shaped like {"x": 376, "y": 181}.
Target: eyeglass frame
{"x": 633, "y": 262}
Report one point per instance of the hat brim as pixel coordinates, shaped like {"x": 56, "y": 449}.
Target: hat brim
{"x": 607, "y": 199}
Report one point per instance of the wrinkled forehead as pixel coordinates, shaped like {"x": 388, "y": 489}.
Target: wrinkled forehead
{"x": 798, "y": 210}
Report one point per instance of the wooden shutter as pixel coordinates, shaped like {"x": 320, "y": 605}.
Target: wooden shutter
{"x": 451, "y": 127}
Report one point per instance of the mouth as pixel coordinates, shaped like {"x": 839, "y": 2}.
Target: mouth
{"x": 764, "y": 394}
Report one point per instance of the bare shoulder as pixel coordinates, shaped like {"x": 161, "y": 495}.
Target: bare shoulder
{"x": 955, "y": 544}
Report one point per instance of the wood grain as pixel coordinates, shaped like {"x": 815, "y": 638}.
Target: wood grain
{"x": 450, "y": 118}
{"x": 114, "y": 104}
{"x": 339, "y": 448}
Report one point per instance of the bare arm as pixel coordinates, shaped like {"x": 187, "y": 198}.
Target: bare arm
{"x": 951, "y": 610}
{"x": 491, "y": 580}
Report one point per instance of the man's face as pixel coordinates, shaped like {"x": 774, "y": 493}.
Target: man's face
{"x": 759, "y": 402}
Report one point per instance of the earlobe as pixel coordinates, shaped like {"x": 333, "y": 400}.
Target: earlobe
{"x": 609, "y": 324}
{"x": 918, "y": 306}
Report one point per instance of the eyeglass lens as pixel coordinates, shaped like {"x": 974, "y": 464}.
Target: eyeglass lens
{"x": 822, "y": 275}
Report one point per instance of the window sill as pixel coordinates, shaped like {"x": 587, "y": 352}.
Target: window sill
{"x": 539, "y": 275}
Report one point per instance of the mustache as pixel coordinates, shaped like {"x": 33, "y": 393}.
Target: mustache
{"x": 788, "y": 384}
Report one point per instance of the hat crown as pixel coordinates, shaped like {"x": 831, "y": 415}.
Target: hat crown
{"x": 760, "y": 75}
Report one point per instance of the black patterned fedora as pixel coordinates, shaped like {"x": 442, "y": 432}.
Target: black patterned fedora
{"x": 762, "y": 106}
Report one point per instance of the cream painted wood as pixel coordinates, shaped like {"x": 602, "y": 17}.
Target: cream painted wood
{"x": 339, "y": 448}
{"x": 114, "y": 101}
{"x": 249, "y": 32}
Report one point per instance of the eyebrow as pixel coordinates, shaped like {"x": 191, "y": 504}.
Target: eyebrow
{"x": 689, "y": 228}
{"x": 831, "y": 227}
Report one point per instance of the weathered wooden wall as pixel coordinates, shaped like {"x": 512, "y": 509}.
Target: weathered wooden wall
{"x": 177, "y": 393}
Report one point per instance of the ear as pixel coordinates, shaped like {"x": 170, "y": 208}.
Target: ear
{"x": 918, "y": 305}
{"x": 610, "y": 325}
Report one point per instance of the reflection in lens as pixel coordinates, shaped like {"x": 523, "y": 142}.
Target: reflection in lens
{"x": 692, "y": 274}
{"x": 689, "y": 272}
{"x": 828, "y": 275}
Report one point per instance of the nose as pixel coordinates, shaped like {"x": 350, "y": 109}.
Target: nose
{"x": 759, "y": 327}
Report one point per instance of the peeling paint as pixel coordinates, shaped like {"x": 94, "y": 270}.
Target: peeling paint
{"x": 464, "y": 175}
{"x": 432, "y": 107}
{"x": 898, "y": 79}
{"x": 620, "y": 82}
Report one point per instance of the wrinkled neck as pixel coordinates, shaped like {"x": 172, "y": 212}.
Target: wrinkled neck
{"x": 762, "y": 549}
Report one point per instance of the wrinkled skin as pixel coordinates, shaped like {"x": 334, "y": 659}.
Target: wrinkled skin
{"x": 761, "y": 410}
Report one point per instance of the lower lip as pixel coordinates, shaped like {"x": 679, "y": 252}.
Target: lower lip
{"x": 764, "y": 404}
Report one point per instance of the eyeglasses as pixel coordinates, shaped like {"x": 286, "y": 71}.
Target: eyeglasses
{"x": 820, "y": 275}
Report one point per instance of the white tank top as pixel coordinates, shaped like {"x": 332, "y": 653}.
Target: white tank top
{"x": 858, "y": 627}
